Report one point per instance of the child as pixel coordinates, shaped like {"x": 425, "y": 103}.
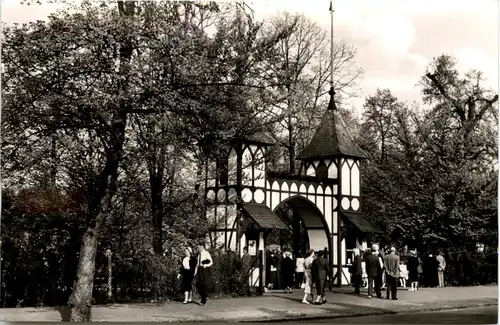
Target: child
{"x": 403, "y": 274}
{"x": 364, "y": 275}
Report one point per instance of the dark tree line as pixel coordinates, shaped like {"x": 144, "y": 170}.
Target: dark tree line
{"x": 109, "y": 112}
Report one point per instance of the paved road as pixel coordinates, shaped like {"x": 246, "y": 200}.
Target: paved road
{"x": 481, "y": 315}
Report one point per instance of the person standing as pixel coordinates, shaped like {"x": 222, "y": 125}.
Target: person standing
{"x": 320, "y": 271}
{"x": 403, "y": 272}
{"x": 391, "y": 262}
{"x": 440, "y": 269}
{"x": 356, "y": 270}
{"x": 273, "y": 277}
{"x": 430, "y": 271}
{"x": 287, "y": 269}
{"x": 308, "y": 276}
{"x": 413, "y": 263}
{"x": 187, "y": 273}
{"x": 299, "y": 270}
{"x": 381, "y": 255}
{"x": 374, "y": 269}
{"x": 246, "y": 265}
{"x": 279, "y": 275}
{"x": 203, "y": 273}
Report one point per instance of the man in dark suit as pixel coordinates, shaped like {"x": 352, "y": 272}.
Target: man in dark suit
{"x": 320, "y": 270}
{"x": 374, "y": 268}
{"x": 246, "y": 266}
{"x": 279, "y": 259}
{"x": 391, "y": 263}
{"x": 356, "y": 270}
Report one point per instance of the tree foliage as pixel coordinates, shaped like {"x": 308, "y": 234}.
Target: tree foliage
{"x": 121, "y": 105}
{"x": 432, "y": 182}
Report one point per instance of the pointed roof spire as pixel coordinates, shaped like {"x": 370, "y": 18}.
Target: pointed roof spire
{"x": 331, "y": 138}
{"x": 331, "y": 104}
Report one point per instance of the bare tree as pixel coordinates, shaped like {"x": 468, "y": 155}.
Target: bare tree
{"x": 301, "y": 69}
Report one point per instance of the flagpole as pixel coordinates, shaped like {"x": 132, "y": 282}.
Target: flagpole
{"x": 331, "y": 44}
{"x": 331, "y": 104}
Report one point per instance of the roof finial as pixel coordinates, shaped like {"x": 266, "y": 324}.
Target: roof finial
{"x": 331, "y": 104}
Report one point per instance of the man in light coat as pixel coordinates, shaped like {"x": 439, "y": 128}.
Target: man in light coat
{"x": 441, "y": 267}
{"x": 391, "y": 263}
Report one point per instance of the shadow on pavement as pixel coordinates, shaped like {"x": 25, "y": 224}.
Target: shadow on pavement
{"x": 65, "y": 312}
{"x": 347, "y": 306}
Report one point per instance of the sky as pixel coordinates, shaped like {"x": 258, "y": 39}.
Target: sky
{"x": 395, "y": 39}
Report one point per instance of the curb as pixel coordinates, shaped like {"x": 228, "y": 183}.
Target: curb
{"x": 369, "y": 313}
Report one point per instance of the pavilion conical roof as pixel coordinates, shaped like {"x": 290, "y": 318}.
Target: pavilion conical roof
{"x": 332, "y": 138}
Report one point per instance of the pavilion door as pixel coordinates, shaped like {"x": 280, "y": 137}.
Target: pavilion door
{"x": 256, "y": 249}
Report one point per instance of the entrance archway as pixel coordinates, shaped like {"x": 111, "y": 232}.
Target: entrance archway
{"x": 300, "y": 213}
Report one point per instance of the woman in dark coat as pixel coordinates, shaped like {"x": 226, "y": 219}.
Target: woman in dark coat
{"x": 413, "y": 263}
{"x": 287, "y": 271}
{"x": 188, "y": 267}
{"x": 430, "y": 271}
{"x": 273, "y": 272}
{"x": 203, "y": 273}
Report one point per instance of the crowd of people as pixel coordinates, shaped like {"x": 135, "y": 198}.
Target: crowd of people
{"x": 376, "y": 270}
{"x": 372, "y": 269}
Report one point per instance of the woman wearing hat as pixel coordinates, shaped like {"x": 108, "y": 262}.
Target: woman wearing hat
{"x": 308, "y": 276}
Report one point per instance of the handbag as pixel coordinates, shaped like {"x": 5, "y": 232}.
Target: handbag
{"x": 419, "y": 267}
{"x": 303, "y": 285}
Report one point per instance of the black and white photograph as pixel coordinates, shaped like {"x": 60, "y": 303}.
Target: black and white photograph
{"x": 285, "y": 161}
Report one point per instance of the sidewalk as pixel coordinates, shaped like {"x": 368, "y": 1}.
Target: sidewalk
{"x": 276, "y": 306}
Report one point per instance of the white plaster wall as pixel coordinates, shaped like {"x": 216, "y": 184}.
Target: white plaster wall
{"x": 346, "y": 276}
{"x": 320, "y": 203}
{"x": 355, "y": 180}
{"x": 243, "y": 242}
{"x": 254, "y": 277}
{"x": 310, "y": 171}
{"x": 231, "y": 215}
{"x": 328, "y": 213}
{"x": 246, "y": 195}
{"x": 332, "y": 171}
{"x": 335, "y": 221}
{"x": 275, "y": 198}
{"x": 342, "y": 249}
{"x": 346, "y": 174}
{"x": 334, "y": 249}
{"x": 232, "y": 240}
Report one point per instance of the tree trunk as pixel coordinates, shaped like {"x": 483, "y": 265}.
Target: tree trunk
{"x": 81, "y": 298}
{"x": 291, "y": 147}
{"x": 103, "y": 189}
{"x": 157, "y": 210}
{"x": 110, "y": 276}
